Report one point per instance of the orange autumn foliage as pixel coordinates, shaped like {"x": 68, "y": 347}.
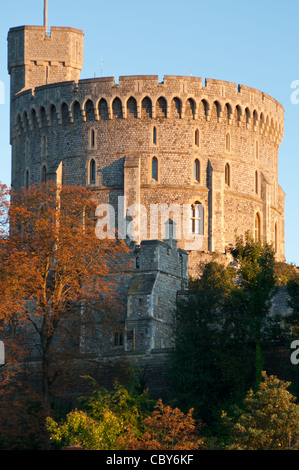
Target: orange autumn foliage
{"x": 166, "y": 429}
{"x": 52, "y": 266}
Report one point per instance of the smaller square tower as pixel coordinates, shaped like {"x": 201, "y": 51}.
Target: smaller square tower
{"x": 160, "y": 274}
{"x": 37, "y": 57}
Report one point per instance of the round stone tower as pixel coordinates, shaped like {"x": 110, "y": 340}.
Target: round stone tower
{"x": 202, "y": 154}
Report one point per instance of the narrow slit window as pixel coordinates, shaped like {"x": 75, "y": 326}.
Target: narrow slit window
{"x": 92, "y": 138}
{"x": 92, "y": 172}
{"x": 196, "y": 138}
{"x": 227, "y": 142}
{"x": 155, "y": 169}
{"x": 196, "y": 170}
{"x": 44, "y": 174}
{"x": 154, "y": 135}
{"x": 227, "y": 174}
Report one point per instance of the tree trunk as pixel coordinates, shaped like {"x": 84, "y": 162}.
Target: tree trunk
{"x": 46, "y": 393}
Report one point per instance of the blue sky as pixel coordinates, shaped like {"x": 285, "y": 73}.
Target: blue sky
{"x": 252, "y": 43}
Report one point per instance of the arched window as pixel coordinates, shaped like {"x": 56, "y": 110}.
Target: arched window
{"x": 217, "y": 109}
{"x": 146, "y": 107}
{"x": 228, "y": 111}
{"x": 44, "y": 174}
{"x": 190, "y": 108}
{"x": 176, "y": 108}
{"x": 92, "y": 172}
{"x": 154, "y": 135}
{"x": 65, "y": 117}
{"x": 227, "y": 174}
{"x": 161, "y": 108}
{"x": 43, "y": 117}
{"x": 76, "y": 112}
{"x": 196, "y": 170}
{"x": 117, "y": 108}
{"x": 196, "y": 137}
{"x": 155, "y": 169}
{"x": 227, "y": 142}
{"x": 89, "y": 110}
{"x": 257, "y": 227}
{"x": 131, "y": 107}
{"x": 33, "y": 119}
{"x": 247, "y": 115}
{"x": 205, "y": 108}
{"x": 197, "y": 226}
{"x": 103, "y": 109}
{"x": 238, "y": 113}
{"x": 53, "y": 115}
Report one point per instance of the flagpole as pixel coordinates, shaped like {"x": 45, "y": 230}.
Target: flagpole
{"x": 46, "y": 15}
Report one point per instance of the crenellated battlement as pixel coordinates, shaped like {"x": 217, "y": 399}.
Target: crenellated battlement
{"x": 144, "y": 96}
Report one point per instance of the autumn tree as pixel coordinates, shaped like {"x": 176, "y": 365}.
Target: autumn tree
{"x": 268, "y": 419}
{"x": 55, "y": 274}
{"x": 122, "y": 420}
{"x": 166, "y": 428}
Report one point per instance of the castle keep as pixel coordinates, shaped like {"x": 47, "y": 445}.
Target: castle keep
{"x": 206, "y": 152}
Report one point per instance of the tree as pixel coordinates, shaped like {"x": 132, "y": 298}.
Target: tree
{"x": 195, "y": 375}
{"x": 247, "y": 321}
{"x": 284, "y": 273}
{"x": 54, "y": 272}
{"x": 104, "y": 417}
{"x": 220, "y": 329}
{"x": 124, "y": 420}
{"x": 166, "y": 429}
{"x": 269, "y": 419}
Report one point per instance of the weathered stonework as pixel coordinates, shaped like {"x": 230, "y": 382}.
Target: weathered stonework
{"x": 106, "y": 135}
{"x": 160, "y": 271}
